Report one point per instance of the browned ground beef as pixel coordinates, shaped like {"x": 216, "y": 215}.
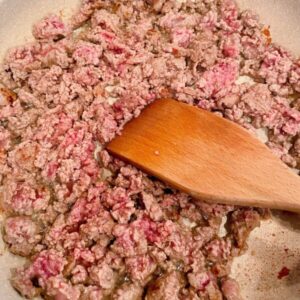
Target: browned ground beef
{"x": 92, "y": 226}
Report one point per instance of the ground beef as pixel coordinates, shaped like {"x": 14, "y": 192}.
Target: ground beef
{"x": 241, "y": 223}
{"x": 231, "y": 289}
{"x": 51, "y": 27}
{"x": 166, "y": 287}
{"x": 21, "y": 234}
{"x": 92, "y": 226}
{"x": 58, "y": 287}
{"x": 129, "y": 292}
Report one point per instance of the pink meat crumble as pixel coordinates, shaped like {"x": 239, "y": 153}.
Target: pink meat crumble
{"x": 92, "y": 226}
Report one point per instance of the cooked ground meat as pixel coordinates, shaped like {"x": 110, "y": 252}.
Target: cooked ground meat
{"x": 92, "y": 226}
{"x": 166, "y": 287}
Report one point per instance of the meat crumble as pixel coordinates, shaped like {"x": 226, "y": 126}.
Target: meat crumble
{"x": 91, "y": 226}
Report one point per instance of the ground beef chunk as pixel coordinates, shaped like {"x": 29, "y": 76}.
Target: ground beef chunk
{"x": 199, "y": 281}
{"x": 44, "y": 266}
{"x": 231, "y": 289}
{"x": 90, "y": 225}
{"x": 129, "y": 241}
{"x": 59, "y": 288}
{"x": 23, "y": 156}
{"x": 241, "y": 223}
{"x": 50, "y": 27}
{"x": 6, "y": 96}
{"x": 24, "y": 198}
{"x": 104, "y": 276}
{"x": 275, "y": 69}
{"x": 5, "y": 139}
{"x": 166, "y": 287}
{"x": 87, "y": 54}
{"x": 23, "y": 283}
{"x": 128, "y": 292}
{"x": 218, "y": 80}
{"x": 21, "y": 234}
{"x": 294, "y": 77}
{"x": 140, "y": 268}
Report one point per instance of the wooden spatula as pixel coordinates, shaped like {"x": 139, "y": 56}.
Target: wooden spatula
{"x": 206, "y": 156}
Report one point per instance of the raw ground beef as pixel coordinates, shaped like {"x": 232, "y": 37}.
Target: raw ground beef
{"x": 94, "y": 227}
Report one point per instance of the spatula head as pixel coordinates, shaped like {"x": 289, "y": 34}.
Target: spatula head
{"x": 206, "y": 156}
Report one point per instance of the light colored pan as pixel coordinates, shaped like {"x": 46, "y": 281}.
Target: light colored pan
{"x": 276, "y": 244}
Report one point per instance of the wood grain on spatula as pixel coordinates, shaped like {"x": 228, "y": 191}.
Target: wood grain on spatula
{"x": 206, "y": 156}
